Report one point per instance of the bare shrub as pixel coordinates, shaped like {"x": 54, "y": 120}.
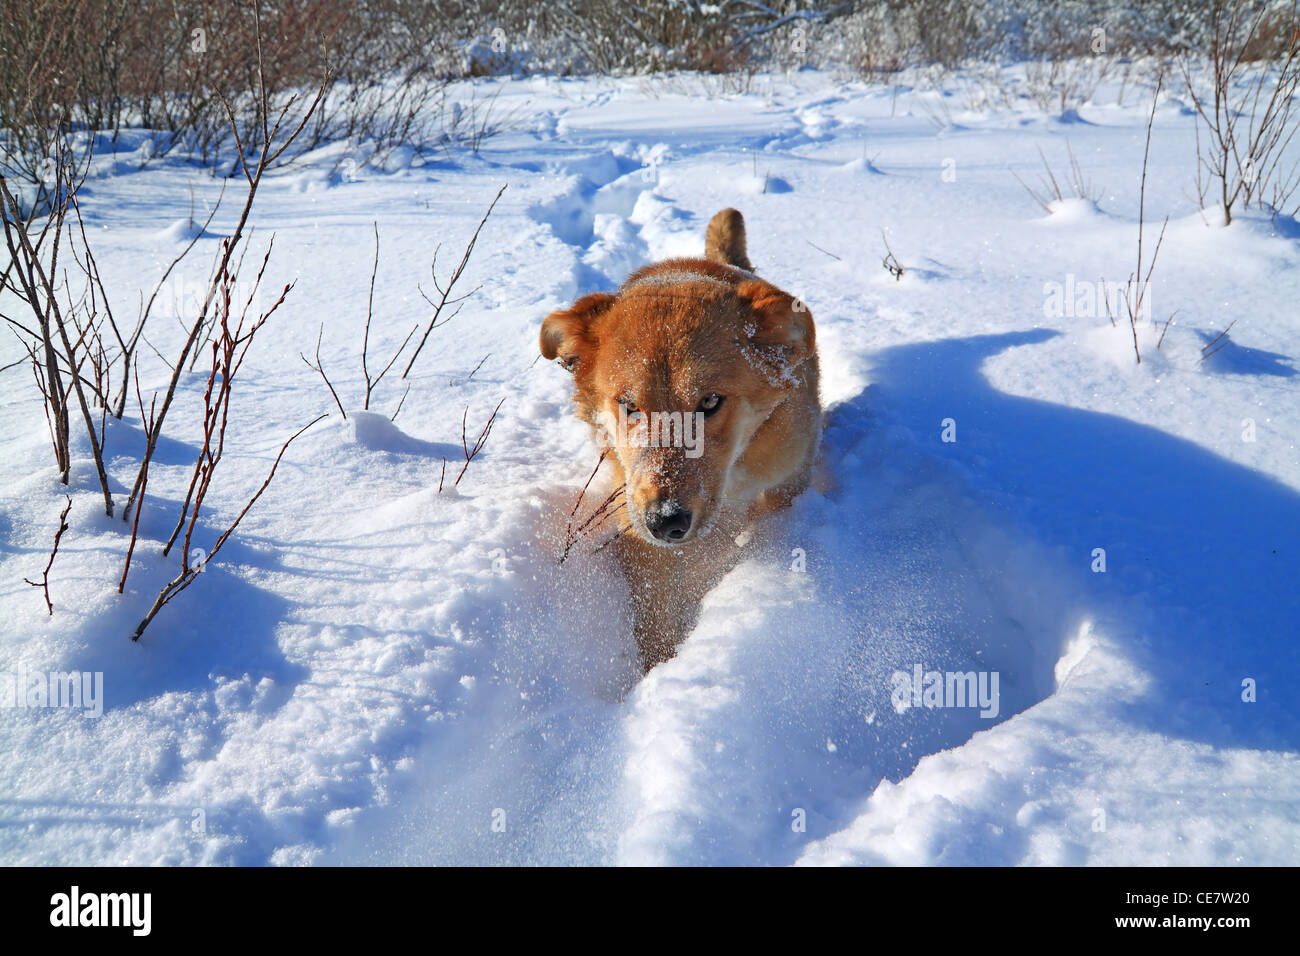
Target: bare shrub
{"x": 1139, "y": 283}
{"x": 469, "y": 122}
{"x": 873, "y": 39}
{"x": 1060, "y": 82}
{"x": 55, "y": 73}
{"x": 445, "y": 294}
{"x": 63, "y": 337}
{"x": 229, "y": 347}
{"x": 276, "y": 134}
{"x": 372, "y": 382}
{"x": 472, "y": 452}
{"x": 319, "y": 368}
{"x": 228, "y": 351}
{"x": 1050, "y": 190}
{"x": 128, "y": 344}
{"x": 1253, "y": 52}
{"x": 171, "y": 66}
{"x": 446, "y": 299}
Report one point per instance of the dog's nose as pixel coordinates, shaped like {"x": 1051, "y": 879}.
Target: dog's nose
{"x": 668, "y": 521}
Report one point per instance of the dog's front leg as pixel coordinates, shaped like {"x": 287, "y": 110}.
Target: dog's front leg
{"x": 666, "y": 586}
{"x": 662, "y": 614}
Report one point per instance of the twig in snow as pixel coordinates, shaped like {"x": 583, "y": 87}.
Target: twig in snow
{"x": 149, "y": 427}
{"x": 570, "y": 536}
{"x": 451, "y": 284}
{"x": 478, "y": 366}
{"x": 820, "y": 249}
{"x": 1133, "y": 300}
{"x": 365, "y": 339}
{"x": 599, "y": 516}
{"x": 471, "y": 454}
{"x": 401, "y": 402}
{"x": 190, "y": 572}
{"x": 318, "y": 367}
{"x": 129, "y": 343}
{"x": 44, "y": 584}
{"x": 618, "y": 534}
{"x": 1208, "y": 348}
{"x": 228, "y": 351}
{"x": 890, "y": 262}
{"x": 1165, "y": 330}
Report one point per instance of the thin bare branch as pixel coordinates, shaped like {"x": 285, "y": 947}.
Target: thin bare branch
{"x": 44, "y": 583}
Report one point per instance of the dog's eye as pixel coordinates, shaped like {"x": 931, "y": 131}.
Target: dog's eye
{"x": 709, "y": 403}
{"x": 630, "y": 405}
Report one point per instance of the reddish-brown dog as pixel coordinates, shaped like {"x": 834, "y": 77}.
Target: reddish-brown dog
{"x": 702, "y": 379}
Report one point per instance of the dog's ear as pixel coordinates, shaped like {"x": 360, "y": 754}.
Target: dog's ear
{"x": 781, "y": 325}
{"x": 569, "y": 334}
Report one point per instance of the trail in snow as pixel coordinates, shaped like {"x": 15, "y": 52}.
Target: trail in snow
{"x": 780, "y": 704}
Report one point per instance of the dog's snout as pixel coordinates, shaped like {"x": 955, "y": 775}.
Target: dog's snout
{"x": 668, "y": 521}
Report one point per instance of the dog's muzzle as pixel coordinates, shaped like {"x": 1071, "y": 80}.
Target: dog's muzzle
{"x": 668, "y": 521}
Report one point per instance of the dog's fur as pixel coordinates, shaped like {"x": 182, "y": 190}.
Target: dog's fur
{"x": 677, "y": 333}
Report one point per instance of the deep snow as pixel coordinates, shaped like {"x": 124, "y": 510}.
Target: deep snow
{"x": 371, "y": 671}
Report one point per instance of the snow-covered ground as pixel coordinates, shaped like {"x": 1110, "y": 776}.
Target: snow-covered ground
{"x": 371, "y": 671}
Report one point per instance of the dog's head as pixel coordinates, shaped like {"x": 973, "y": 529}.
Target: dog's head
{"x": 675, "y": 373}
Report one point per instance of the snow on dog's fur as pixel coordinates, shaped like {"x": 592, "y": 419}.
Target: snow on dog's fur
{"x": 703, "y": 379}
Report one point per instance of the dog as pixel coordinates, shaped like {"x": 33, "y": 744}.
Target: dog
{"x": 701, "y": 380}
